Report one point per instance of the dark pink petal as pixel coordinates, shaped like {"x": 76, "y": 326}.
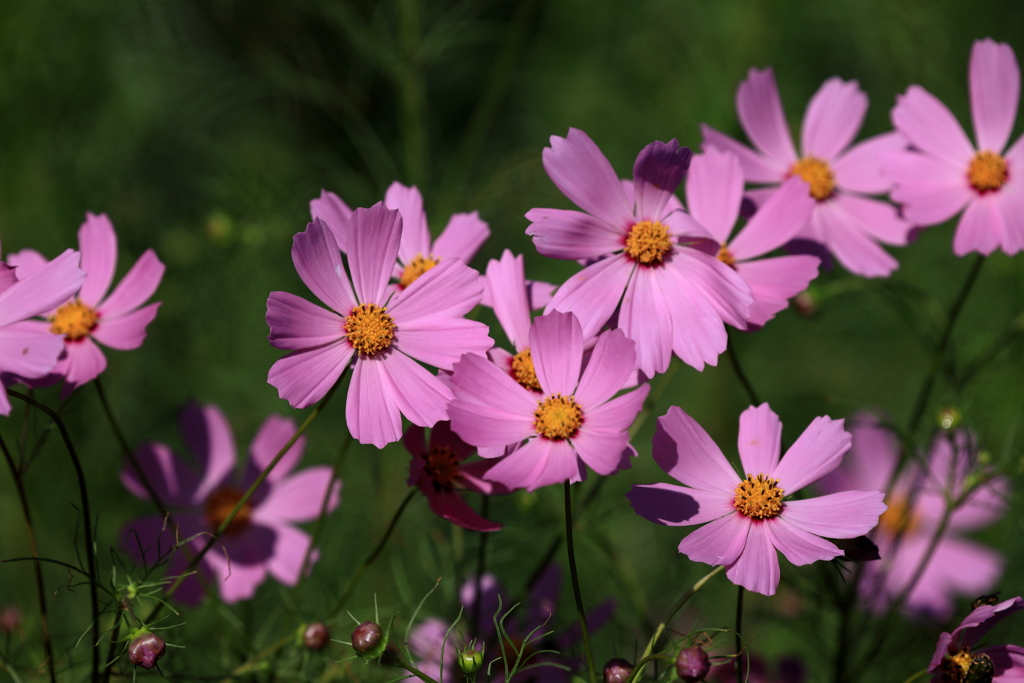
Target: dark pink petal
{"x": 814, "y": 454}
{"x": 290, "y": 547}
{"x": 776, "y": 222}
{"x": 593, "y": 294}
{"x": 84, "y": 363}
{"x": 419, "y": 395}
{"x": 174, "y": 482}
{"x": 642, "y": 318}
{"x": 833, "y": 117}
{"x": 135, "y": 287}
{"x": 561, "y": 465}
{"x": 619, "y": 413}
{"x": 686, "y": 452}
{"x": 477, "y": 380}
{"x": 578, "y": 168}
{"x": 334, "y": 213}
{"x": 714, "y": 189}
{"x": 298, "y": 324}
{"x": 207, "y": 435}
{"x": 980, "y": 228}
{"x": 506, "y": 280}
{"x": 125, "y": 332}
{"x": 1008, "y": 662}
{"x": 43, "y": 290}
{"x": 298, "y": 498}
{"x": 760, "y": 440}
{"x": 611, "y": 364}
{"x": 318, "y": 263}
{"x": 600, "y": 449}
{"x": 859, "y": 169}
{"x": 762, "y": 117}
{"x": 707, "y": 279}
{"x": 847, "y": 514}
{"x": 994, "y": 80}
{"x": 846, "y": 237}
{"x": 981, "y": 620}
{"x": 28, "y": 349}
{"x": 797, "y": 545}
{"x": 556, "y": 345}
{"x": 235, "y": 580}
{"x": 7, "y": 276}
{"x": 462, "y": 237}
{"x": 373, "y": 248}
{"x": 448, "y": 290}
{"x": 151, "y": 539}
{"x": 774, "y": 281}
{"x": 271, "y": 437}
{"x": 5, "y": 401}
{"x": 520, "y": 468}
{"x": 720, "y": 541}
{"x": 415, "y": 234}
{"x": 303, "y": 377}
{"x": 657, "y": 172}
{"x": 449, "y": 505}
{"x": 878, "y": 219}
{"x": 931, "y": 127}
{"x": 472, "y": 478}
{"x": 757, "y": 168}
{"x": 930, "y": 189}
{"x": 566, "y": 234}
{"x": 370, "y": 410}
{"x": 757, "y": 567}
{"x": 678, "y": 505}
{"x": 98, "y": 243}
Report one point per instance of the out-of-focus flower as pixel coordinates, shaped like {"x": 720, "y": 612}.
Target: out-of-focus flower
{"x": 262, "y": 538}
{"x": 10, "y": 619}
{"x": 749, "y": 519}
{"x": 385, "y": 332}
{"x": 841, "y": 176}
{"x": 944, "y": 173}
{"x": 957, "y": 661}
{"x": 753, "y": 669}
{"x": 576, "y": 423}
{"x": 316, "y": 636}
{"x": 668, "y": 296}
{"x": 145, "y": 649}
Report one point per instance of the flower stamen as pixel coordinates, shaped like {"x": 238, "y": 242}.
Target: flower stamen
{"x": 75, "y": 320}
{"x": 963, "y": 667}
{"x": 558, "y": 417}
{"x": 369, "y": 329}
{"x": 987, "y": 171}
{"x": 416, "y": 267}
{"x": 898, "y": 518}
{"x": 726, "y": 257}
{"x": 523, "y": 370}
{"x": 442, "y": 467}
{"x": 648, "y": 242}
{"x": 759, "y": 497}
{"x": 818, "y": 174}
{"x": 220, "y": 504}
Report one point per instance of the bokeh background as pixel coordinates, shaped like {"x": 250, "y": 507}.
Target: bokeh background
{"x": 204, "y": 128}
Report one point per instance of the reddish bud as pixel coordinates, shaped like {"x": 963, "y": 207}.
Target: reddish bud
{"x": 692, "y": 664}
{"x": 316, "y": 636}
{"x": 368, "y": 640}
{"x": 617, "y": 671}
{"x": 10, "y": 619}
{"x": 145, "y": 649}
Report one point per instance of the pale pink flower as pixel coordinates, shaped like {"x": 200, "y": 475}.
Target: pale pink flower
{"x": 944, "y": 173}
{"x": 748, "y": 519}
{"x": 846, "y": 220}
{"x": 958, "y": 659}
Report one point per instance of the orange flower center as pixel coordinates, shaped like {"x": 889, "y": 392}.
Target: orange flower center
{"x": 963, "y": 667}
{"x": 726, "y": 257}
{"x": 416, "y": 267}
{"x": 987, "y": 171}
{"x": 443, "y": 467}
{"x": 558, "y": 417}
{"x": 523, "y": 371}
{"x": 369, "y": 329}
{"x": 74, "y": 320}
{"x": 220, "y": 504}
{"x": 818, "y": 174}
{"x": 759, "y": 497}
{"x": 648, "y": 242}
{"x": 898, "y": 518}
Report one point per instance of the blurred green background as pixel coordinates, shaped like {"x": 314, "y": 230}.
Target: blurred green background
{"x": 203, "y": 130}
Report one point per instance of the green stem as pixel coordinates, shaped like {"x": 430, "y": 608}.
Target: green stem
{"x": 481, "y": 563}
{"x": 914, "y": 677}
{"x": 321, "y": 518}
{"x": 742, "y": 376}
{"x": 112, "y": 650}
{"x": 739, "y": 629}
{"x": 576, "y": 583}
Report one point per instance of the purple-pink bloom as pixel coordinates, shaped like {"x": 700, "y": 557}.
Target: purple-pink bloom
{"x": 573, "y": 421}
{"x": 841, "y": 176}
{"x": 957, "y": 661}
{"x": 944, "y": 173}
{"x": 669, "y": 297}
{"x": 262, "y": 538}
{"x": 385, "y": 331}
{"x": 746, "y": 520}
{"x": 437, "y": 468}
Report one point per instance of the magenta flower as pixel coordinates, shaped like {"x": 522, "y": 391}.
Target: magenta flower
{"x": 262, "y": 538}
{"x": 845, "y": 219}
{"x": 437, "y": 468}
{"x": 959, "y": 567}
{"x": 957, "y": 661}
{"x": 386, "y": 332}
{"x": 714, "y": 189}
{"x": 118, "y": 321}
{"x": 748, "y": 519}
{"x": 669, "y": 297}
{"x": 574, "y": 421}
{"x": 944, "y": 173}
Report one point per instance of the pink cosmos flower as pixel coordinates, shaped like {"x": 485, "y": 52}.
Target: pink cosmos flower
{"x": 959, "y": 567}
{"x": 845, "y": 219}
{"x": 262, "y": 538}
{"x": 714, "y": 190}
{"x": 575, "y": 422}
{"x": 437, "y": 468}
{"x": 944, "y": 173}
{"x": 461, "y": 238}
{"x": 27, "y": 348}
{"x": 749, "y": 519}
{"x": 669, "y": 296}
{"x": 118, "y": 321}
{"x": 386, "y": 332}
{"x": 957, "y": 661}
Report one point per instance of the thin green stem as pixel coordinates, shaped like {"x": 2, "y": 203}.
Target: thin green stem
{"x": 739, "y": 629}
{"x": 5, "y": 666}
{"x": 112, "y": 650}
{"x": 742, "y": 376}
{"x": 576, "y": 583}
{"x": 324, "y": 504}
{"x": 920, "y": 674}
{"x": 481, "y": 563}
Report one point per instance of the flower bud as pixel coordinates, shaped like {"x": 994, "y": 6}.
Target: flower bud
{"x": 316, "y": 636}
{"x": 470, "y": 660}
{"x": 617, "y": 671}
{"x": 368, "y": 640}
{"x": 145, "y": 649}
{"x": 692, "y": 664}
{"x": 10, "y": 619}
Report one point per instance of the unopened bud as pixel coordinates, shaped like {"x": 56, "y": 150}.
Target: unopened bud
{"x": 10, "y": 619}
{"x": 806, "y": 303}
{"x": 950, "y": 418}
{"x": 470, "y": 660}
{"x": 617, "y": 671}
{"x": 145, "y": 649}
{"x": 316, "y": 636}
{"x": 368, "y": 640}
{"x": 692, "y": 664}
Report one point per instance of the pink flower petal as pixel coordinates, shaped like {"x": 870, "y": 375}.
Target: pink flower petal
{"x": 566, "y": 234}
{"x": 762, "y": 117}
{"x": 556, "y": 345}
{"x": 874, "y": 452}
{"x": 859, "y": 169}
{"x": 477, "y": 380}
{"x": 373, "y": 248}
{"x": 125, "y": 332}
{"x": 833, "y": 117}
{"x": 419, "y": 395}
{"x": 980, "y": 228}
{"x": 776, "y": 222}
{"x": 448, "y": 290}
{"x": 707, "y": 279}
{"x": 797, "y": 545}
{"x": 449, "y": 505}
{"x": 28, "y": 349}
{"x": 84, "y": 363}
{"x": 298, "y": 324}
{"x": 208, "y": 437}
{"x": 335, "y": 214}
{"x": 290, "y": 547}
{"x": 774, "y": 281}
{"x": 462, "y": 237}
{"x": 270, "y": 438}
{"x": 931, "y": 127}
{"x": 618, "y": 414}
{"x": 303, "y": 377}
{"x": 1011, "y": 209}
{"x": 644, "y": 303}
{"x": 813, "y": 455}
{"x": 98, "y": 243}
{"x": 757, "y": 168}
{"x": 657, "y": 172}
{"x": 714, "y": 189}
{"x": 443, "y": 341}
{"x": 845, "y": 237}
{"x": 611, "y": 364}
{"x": 847, "y": 514}
{"x": 135, "y": 287}
{"x": 506, "y": 280}
{"x": 578, "y": 168}
{"x": 930, "y": 189}
{"x": 878, "y": 219}
{"x": 688, "y": 455}
{"x": 678, "y": 505}
{"x": 994, "y": 79}
{"x": 957, "y": 568}
{"x": 415, "y": 234}
{"x": 593, "y": 294}
{"x": 26, "y": 262}
{"x": 43, "y": 290}
{"x": 720, "y": 541}
{"x": 172, "y": 480}
{"x": 318, "y": 263}
{"x": 561, "y": 465}
{"x": 370, "y": 411}
{"x": 760, "y": 440}
{"x": 757, "y": 567}
{"x": 234, "y": 580}
{"x": 520, "y": 468}
{"x": 298, "y": 498}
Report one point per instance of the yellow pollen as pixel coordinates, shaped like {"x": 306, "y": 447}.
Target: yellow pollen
{"x": 522, "y": 370}
{"x": 74, "y": 320}
{"x": 818, "y": 173}
{"x": 726, "y": 257}
{"x": 963, "y": 667}
{"x": 558, "y": 417}
{"x": 369, "y": 329}
{"x": 987, "y": 171}
{"x": 220, "y": 504}
{"x": 416, "y": 267}
{"x": 898, "y": 518}
{"x": 648, "y": 242}
{"x": 443, "y": 467}
{"x": 759, "y": 498}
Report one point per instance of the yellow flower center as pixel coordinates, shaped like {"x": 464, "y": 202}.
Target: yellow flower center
{"x": 74, "y": 320}
{"x": 648, "y": 242}
{"x": 963, "y": 667}
{"x": 726, "y": 257}
{"x": 558, "y": 417}
{"x": 220, "y": 504}
{"x": 987, "y": 171}
{"x": 443, "y": 467}
{"x": 369, "y": 329}
{"x": 898, "y": 518}
{"x": 818, "y": 173}
{"x": 759, "y": 497}
{"x": 522, "y": 370}
{"x": 416, "y": 267}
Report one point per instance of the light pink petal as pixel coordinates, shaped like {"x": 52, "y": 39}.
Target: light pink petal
{"x": 833, "y": 117}
{"x": 847, "y": 514}
{"x": 714, "y": 189}
{"x": 994, "y": 79}
{"x": 561, "y": 465}
{"x": 298, "y": 324}
{"x": 757, "y": 567}
{"x": 373, "y": 248}
{"x": 845, "y": 237}
{"x": 271, "y": 437}
{"x": 448, "y": 290}
{"x": 7, "y": 276}
{"x": 520, "y": 468}
{"x": 774, "y": 281}
{"x": 980, "y": 228}
{"x": 601, "y": 449}
{"x": 931, "y": 127}
{"x": 877, "y": 218}
{"x": 618, "y": 414}
{"x": 297, "y": 498}
{"x": 578, "y": 168}
{"x": 673, "y": 505}
{"x": 236, "y": 581}
{"x": 26, "y": 262}
{"x": 419, "y": 395}
{"x": 593, "y": 294}
{"x": 442, "y": 342}
{"x": 85, "y": 362}
{"x": 757, "y": 168}
{"x": 643, "y": 303}
{"x": 686, "y": 452}
{"x": 556, "y": 345}
{"x": 462, "y": 237}
{"x": 762, "y": 117}
{"x": 303, "y": 377}
{"x": 1011, "y": 209}
{"x": 860, "y": 168}
{"x": 706, "y": 279}
{"x": 539, "y": 293}
{"x": 566, "y": 234}
{"x": 43, "y": 290}
{"x": 874, "y": 452}
{"x": 318, "y": 263}
{"x": 506, "y": 280}
{"x": 776, "y": 222}
{"x": 290, "y": 548}
{"x": 28, "y": 349}
{"x": 173, "y": 481}
{"x": 449, "y": 505}
{"x": 125, "y": 332}
{"x": 718, "y": 542}
{"x": 207, "y": 435}
{"x": 930, "y": 190}
{"x": 415, "y": 234}
{"x": 760, "y": 440}
{"x": 611, "y": 364}
{"x": 334, "y": 213}
{"x": 657, "y": 172}
{"x": 98, "y": 243}
{"x": 5, "y": 401}
{"x": 958, "y": 568}
{"x": 477, "y": 380}
{"x": 370, "y": 411}
{"x": 813, "y": 455}
{"x": 135, "y": 287}
{"x": 797, "y": 545}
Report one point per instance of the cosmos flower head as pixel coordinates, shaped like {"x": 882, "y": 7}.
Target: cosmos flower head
{"x": 957, "y": 658}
